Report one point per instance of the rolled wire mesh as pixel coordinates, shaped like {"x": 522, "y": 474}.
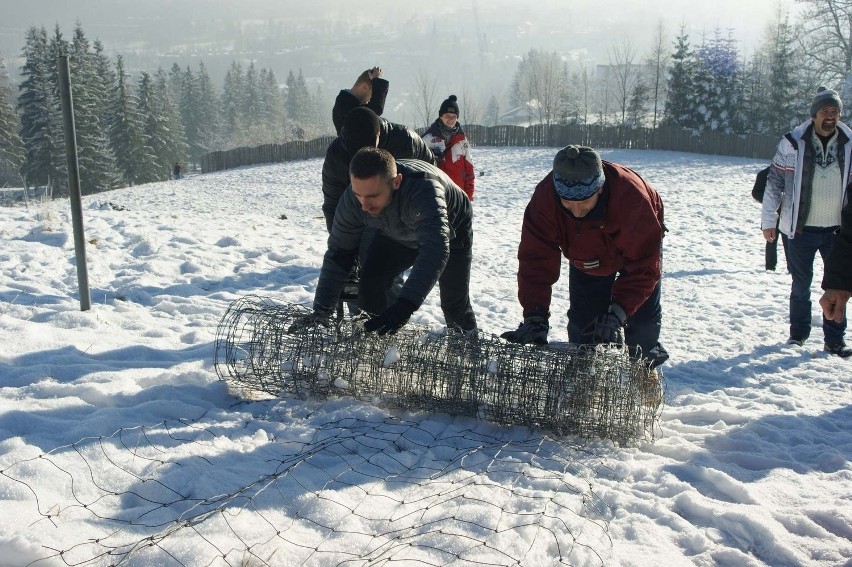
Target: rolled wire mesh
{"x": 592, "y": 391}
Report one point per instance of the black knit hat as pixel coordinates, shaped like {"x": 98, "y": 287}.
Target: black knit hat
{"x": 450, "y": 105}
{"x": 826, "y": 98}
{"x": 577, "y": 173}
{"x": 359, "y": 129}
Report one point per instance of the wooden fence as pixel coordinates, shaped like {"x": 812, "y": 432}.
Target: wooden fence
{"x": 612, "y": 137}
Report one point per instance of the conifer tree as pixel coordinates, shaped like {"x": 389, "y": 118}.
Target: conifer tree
{"x": 232, "y": 97}
{"x": 188, "y": 107}
{"x": 210, "y": 136}
{"x": 636, "y": 112}
{"x": 41, "y": 119}
{"x": 679, "y": 111}
{"x": 11, "y": 147}
{"x": 154, "y": 130}
{"x": 786, "y": 97}
{"x": 300, "y": 108}
{"x": 291, "y": 103}
{"x": 98, "y": 168}
{"x": 272, "y": 103}
{"x": 133, "y": 155}
{"x": 104, "y": 82}
{"x": 321, "y": 119}
{"x": 172, "y": 146}
{"x": 251, "y": 107}
{"x": 492, "y": 111}
{"x": 754, "y": 96}
{"x": 175, "y": 82}
{"x": 718, "y": 85}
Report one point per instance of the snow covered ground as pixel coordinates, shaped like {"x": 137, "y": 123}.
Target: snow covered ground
{"x": 120, "y": 407}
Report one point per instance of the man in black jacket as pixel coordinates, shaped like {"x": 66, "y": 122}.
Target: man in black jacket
{"x": 363, "y": 128}
{"x": 369, "y": 90}
{"x": 422, "y": 220}
{"x": 837, "y": 279}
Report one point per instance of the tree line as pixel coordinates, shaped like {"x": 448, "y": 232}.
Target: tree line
{"x": 132, "y": 130}
{"x": 698, "y": 84}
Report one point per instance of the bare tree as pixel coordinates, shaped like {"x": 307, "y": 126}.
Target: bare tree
{"x": 658, "y": 63}
{"x": 471, "y": 109}
{"x": 583, "y": 80}
{"x": 826, "y": 29}
{"x": 540, "y": 83}
{"x": 601, "y": 89}
{"x": 623, "y": 73}
{"x": 426, "y": 99}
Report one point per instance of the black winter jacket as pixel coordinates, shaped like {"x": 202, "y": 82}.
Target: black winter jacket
{"x": 838, "y": 266}
{"x": 347, "y": 101}
{"x": 401, "y": 141}
{"x": 428, "y": 213}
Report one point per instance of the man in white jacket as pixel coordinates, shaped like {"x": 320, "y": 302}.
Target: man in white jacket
{"x": 807, "y": 180}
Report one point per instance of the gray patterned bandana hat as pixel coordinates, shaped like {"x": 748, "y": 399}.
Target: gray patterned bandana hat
{"x": 577, "y": 173}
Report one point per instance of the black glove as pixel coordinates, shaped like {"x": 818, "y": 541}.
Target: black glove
{"x": 392, "y": 319}
{"x": 532, "y": 330}
{"x": 608, "y": 327}
{"x": 302, "y": 323}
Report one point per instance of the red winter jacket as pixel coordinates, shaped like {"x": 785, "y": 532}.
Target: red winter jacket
{"x": 456, "y": 160}
{"x": 623, "y": 234}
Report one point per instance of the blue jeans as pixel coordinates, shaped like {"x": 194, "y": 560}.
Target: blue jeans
{"x": 801, "y": 252}
{"x": 591, "y": 296}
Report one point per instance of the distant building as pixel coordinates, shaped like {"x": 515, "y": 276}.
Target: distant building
{"x": 518, "y": 116}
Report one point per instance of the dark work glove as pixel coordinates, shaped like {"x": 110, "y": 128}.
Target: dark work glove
{"x": 532, "y": 330}
{"x": 302, "y": 323}
{"x": 392, "y": 319}
{"x": 608, "y": 327}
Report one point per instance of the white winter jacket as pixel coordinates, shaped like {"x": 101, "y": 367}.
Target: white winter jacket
{"x": 784, "y": 184}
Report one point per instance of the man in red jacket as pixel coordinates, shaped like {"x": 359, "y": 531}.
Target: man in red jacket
{"x": 608, "y": 222}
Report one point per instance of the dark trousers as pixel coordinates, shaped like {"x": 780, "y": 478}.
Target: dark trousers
{"x": 387, "y": 259}
{"x": 771, "y": 254}
{"x": 364, "y": 249}
{"x": 801, "y": 253}
{"x": 591, "y": 296}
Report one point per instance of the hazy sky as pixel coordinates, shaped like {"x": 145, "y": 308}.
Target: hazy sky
{"x": 747, "y": 17}
{"x": 470, "y": 46}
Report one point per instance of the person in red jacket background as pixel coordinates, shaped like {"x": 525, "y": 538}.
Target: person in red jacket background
{"x": 608, "y": 222}
{"x": 448, "y": 142}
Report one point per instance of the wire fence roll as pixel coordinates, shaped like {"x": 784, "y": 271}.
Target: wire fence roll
{"x": 590, "y": 391}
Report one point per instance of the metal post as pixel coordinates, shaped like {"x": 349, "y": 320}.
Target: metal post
{"x": 74, "y": 181}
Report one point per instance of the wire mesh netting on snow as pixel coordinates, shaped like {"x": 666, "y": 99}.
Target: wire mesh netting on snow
{"x": 355, "y": 493}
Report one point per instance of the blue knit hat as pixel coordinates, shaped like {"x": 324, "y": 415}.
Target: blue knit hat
{"x": 577, "y": 173}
